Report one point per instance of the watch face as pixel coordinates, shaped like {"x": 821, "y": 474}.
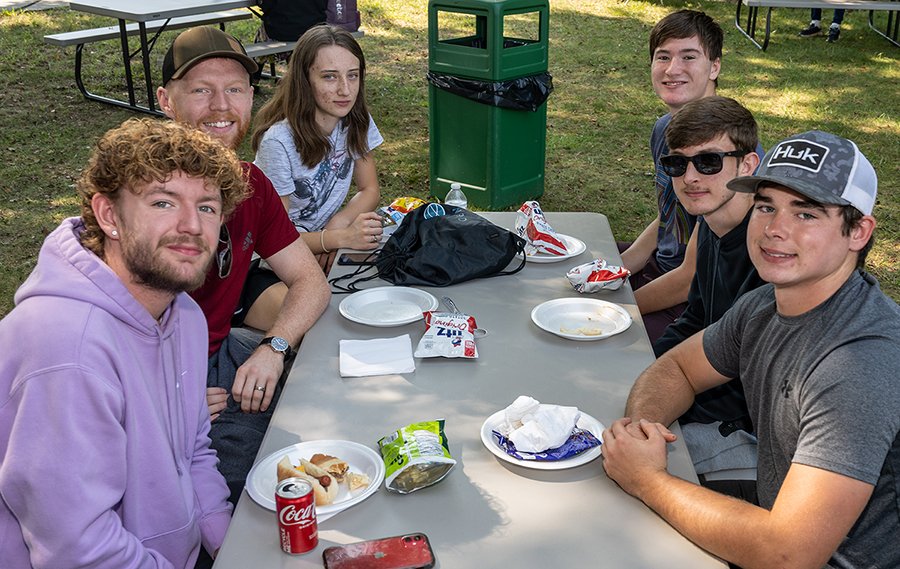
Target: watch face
{"x": 280, "y": 344}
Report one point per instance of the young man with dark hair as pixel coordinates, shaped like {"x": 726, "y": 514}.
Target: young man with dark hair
{"x": 104, "y": 445}
{"x": 712, "y": 141}
{"x": 206, "y": 84}
{"x": 685, "y": 60}
{"x": 817, "y": 351}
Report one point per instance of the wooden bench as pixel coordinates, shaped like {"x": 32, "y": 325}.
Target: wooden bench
{"x": 889, "y": 6}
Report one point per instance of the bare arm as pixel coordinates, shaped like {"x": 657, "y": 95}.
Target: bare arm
{"x": 667, "y": 388}
{"x": 307, "y": 296}
{"x": 814, "y": 509}
{"x": 638, "y": 253}
{"x": 671, "y": 288}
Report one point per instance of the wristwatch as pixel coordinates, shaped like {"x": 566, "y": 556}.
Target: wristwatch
{"x": 278, "y": 344}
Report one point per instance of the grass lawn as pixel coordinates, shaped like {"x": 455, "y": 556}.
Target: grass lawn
{"x": 598, "y": 122}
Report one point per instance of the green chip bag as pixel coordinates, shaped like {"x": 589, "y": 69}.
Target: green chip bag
{"x": 415, "y": 457}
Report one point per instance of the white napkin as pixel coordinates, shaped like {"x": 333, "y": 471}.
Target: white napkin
{"x": 535, "y": 428}
{"x": 382, "y": 356}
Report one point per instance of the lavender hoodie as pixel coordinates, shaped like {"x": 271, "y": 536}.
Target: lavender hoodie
{"x": 104, "y": 454}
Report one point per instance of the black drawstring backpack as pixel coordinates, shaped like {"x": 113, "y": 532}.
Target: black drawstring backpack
{"x": 440, "y": 245}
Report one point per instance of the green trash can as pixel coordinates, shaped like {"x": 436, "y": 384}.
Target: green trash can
{"x": 487, "y": 111}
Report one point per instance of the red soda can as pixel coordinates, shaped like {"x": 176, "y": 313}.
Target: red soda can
{"x": 296, "y": 507}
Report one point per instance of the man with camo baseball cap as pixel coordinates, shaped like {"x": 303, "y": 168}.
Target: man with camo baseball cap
{"x": 817, "y": 351}
{"x": 819, "y": 165}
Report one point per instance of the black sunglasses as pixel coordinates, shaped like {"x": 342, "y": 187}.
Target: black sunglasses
{"x": 707, "y": 163}
{"x": 224, "y": 257}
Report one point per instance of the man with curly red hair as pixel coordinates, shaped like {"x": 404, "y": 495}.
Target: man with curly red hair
{"x": 104, "y": 428}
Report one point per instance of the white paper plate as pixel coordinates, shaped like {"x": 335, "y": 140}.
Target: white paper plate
{"x": 574, "y": 247}
{"x": 576, "y": 313}
{"x": 387, "y": 306}
{"x": 585, "y": 422}
{"x": 361, "y": 459}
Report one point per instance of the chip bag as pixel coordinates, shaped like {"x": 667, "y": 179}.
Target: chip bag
{"x": 531, "y": 225}
{"x": 449, "y": 335}
{"x": 416, "y": 457}
{"x": 394, "y": 213}
{"x": 597, "y": 275}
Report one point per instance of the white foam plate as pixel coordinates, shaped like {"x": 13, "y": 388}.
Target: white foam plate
{"x": 387, "y": 306}
{"x": 574, "y": 247}
{"x": 577, "y": 313}
{"x": 584, "y": 422}
{"x": 361, "y": 459}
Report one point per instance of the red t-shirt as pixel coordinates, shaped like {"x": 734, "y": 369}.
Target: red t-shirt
{"x": 259, "y": 223}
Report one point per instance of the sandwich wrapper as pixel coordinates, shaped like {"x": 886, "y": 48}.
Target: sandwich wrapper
{"x": 542, "y": 432}
{"x": 382, "y": 356}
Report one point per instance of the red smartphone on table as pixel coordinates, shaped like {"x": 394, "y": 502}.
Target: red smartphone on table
{"x": 412, "y": 551}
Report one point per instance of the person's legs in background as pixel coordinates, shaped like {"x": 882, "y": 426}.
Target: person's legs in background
{"x": 814, "y": 28}
{"x": 834, "y": 32}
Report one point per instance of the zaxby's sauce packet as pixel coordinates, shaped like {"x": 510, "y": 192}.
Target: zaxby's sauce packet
{"x": 597, "y": 275}
{"x": 449, "y": 335}
{"x": 531, "y": 226}
{"x": 416, "y": 457}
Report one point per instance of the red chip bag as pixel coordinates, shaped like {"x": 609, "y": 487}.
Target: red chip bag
{"x": 531, "y": 225}
{"x": 597, "y": 275}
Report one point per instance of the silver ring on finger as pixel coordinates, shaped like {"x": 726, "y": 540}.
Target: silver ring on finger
{"x": 260, "y": 388}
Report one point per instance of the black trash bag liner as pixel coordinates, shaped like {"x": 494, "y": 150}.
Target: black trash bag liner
{"x": 522, "y": 94}
{"x": 440, "y": 245}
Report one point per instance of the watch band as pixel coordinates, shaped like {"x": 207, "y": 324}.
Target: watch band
{"x": 278, "y": 344}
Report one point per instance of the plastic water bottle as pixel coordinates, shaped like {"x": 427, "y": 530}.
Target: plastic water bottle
{"x": 456, "y": 197}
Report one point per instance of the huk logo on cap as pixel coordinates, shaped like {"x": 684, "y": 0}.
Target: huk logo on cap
{"x": 800, "y": 154}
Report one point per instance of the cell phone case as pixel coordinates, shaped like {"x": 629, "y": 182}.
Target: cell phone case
{"x": 358, "y": 258}
{"x": 412, "y": 551}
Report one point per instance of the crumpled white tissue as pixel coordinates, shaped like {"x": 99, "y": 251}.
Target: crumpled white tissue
{"x": 533, "y": 427}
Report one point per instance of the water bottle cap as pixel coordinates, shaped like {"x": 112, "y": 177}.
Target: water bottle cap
{"x": 454, "y": 186}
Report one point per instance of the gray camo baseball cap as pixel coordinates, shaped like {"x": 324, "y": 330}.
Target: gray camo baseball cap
{"x": 821, "y": 166}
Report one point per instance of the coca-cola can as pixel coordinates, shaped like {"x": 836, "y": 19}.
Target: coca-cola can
{"x": 296, "y": 507}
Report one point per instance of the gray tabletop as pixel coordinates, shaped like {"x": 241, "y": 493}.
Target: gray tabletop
{"x": 147, "y": 10}
{"x": 486, "y": 512}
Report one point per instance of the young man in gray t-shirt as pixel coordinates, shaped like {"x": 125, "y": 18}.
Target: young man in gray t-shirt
{"x": 817, "y": 351}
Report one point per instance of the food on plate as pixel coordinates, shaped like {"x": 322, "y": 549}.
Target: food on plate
{"x": 584, "y": 330}
{"x": 324, "y": 472}
{"x": 355, "y": 480}
{"x": 332, "y": 465}
{"x": 324, "y": 487}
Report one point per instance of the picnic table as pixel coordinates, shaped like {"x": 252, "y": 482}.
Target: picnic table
{"x": 749, "y": 28}
{"x": 154, "y": 17}
{"x": 488, "y": 512}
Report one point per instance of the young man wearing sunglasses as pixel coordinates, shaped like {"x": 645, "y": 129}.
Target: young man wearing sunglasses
{"x": 817, "y": 351}
{"x": 685, "y": 59}
{"x": 712, "y": 141}
{"x": 206, "y": 84}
